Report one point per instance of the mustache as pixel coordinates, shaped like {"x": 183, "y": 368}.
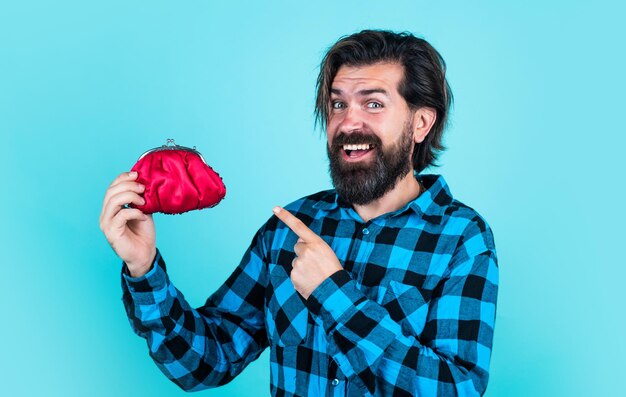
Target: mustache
{"x": 355, "y": 138}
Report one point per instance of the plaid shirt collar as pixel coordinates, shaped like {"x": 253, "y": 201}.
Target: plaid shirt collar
{"x": 430, "y": 205}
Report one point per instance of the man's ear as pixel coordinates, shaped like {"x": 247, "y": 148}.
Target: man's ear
{"x": 423, "y": 120}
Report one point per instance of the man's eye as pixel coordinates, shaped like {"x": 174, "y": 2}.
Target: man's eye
{"x": 337, "y": 105}
{"x": 374, "y": 105}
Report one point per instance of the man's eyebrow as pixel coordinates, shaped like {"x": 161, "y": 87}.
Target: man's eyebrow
{"x": 365, "y": 92}
{"x": 373, "y": 91}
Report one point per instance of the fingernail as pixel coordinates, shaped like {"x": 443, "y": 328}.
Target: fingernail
{"x": 132, "y": 173}
{"x": 276, "y": 210}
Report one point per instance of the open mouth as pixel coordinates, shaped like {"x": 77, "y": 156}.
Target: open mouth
{"x": 353, "y": 152}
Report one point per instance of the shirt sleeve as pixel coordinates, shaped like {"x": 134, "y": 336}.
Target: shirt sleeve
{"x": 208, "y": 346}
{"x": 447, "y": 354}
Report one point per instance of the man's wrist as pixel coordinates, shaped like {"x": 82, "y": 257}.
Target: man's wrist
{"x": 144, "y": 289}
{"x": 140, "y": 270}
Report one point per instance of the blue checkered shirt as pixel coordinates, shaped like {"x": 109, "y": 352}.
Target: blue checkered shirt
{"x": 411, "y": 314}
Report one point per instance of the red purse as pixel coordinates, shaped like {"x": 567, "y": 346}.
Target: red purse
{"x": 177, "y": 180}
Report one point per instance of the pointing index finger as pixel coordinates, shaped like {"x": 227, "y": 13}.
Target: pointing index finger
{"x": 295, "y": 224}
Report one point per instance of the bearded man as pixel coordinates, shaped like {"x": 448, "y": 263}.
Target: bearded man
{"x": 385, "y": 285}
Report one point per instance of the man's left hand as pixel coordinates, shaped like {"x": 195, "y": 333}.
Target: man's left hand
{"x": 315, "y": 261}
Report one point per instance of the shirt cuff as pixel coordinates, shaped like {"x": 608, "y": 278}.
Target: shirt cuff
{"x": 335, "y": 297}
{"x": 144, "y": 289}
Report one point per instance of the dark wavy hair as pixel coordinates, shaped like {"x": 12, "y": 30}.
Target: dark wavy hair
{"x": 424, "y": 83}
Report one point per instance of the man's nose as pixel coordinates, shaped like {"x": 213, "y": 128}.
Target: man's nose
{"x": 352, "y": 120}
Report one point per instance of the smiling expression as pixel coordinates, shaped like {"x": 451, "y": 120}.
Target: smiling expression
{"x": 370, "y": 131}
{"x": 366, "y": 110}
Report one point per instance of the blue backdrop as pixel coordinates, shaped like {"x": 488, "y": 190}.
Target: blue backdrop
{"x": 535, "y": 145}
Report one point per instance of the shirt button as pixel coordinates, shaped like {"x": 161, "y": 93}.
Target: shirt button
{"x": 366, "y": 231}
{"x": 335, "y": 382}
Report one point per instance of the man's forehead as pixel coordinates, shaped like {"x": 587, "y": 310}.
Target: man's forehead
{"x": 382, "y": 76}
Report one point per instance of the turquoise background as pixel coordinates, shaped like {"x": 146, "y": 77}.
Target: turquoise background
{"x": 535, "y": 145}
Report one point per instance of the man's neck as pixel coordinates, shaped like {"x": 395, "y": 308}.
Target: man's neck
{"x": 407, "y": 189}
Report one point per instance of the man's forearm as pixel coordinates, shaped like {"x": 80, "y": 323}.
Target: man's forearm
{"x": 182, "y": 341}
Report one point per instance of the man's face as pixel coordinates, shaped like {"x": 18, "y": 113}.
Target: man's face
{"x": 369, "y": 130}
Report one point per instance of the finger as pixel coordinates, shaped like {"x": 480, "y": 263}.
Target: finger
{"x": 124, "y": 176}
{"x": 121, "y": 178}
{"x": 115, "y": 204}
{"x": 294, "y": 263}
{"x": 297, "y": 249}
{"x": 125, "y": 215}
{"x": 295, "y": 224}
{"x": 122, "y": 187}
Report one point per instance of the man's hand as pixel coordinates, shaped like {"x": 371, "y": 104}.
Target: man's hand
{"x": 315, "y": 261}
{"x": 129, "y": 231}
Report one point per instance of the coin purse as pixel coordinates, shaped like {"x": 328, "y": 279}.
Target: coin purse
{"x": 177, "y": 179}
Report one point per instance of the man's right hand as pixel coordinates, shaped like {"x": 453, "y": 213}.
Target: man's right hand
{"x": 129, "y": 231}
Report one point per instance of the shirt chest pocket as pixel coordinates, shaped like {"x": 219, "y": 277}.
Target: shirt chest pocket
{"x": 407, "y": 306}
{"x": 288, "y": 316}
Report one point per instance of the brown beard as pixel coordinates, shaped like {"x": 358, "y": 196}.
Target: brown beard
{"x": 363, "y": 183}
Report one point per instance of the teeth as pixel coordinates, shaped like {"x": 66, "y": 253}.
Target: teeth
{"x": 357, "y": 147}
